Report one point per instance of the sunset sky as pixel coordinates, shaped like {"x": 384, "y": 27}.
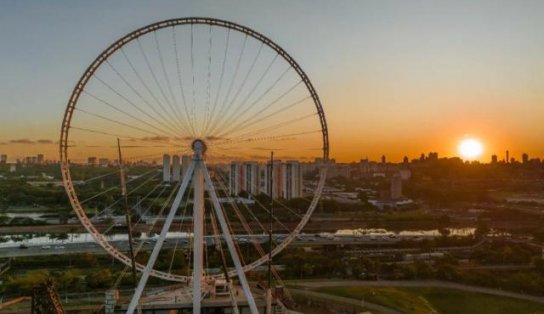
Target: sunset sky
{"x": 395, "y": 77}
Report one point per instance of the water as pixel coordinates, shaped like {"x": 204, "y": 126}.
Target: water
{"x": 369, "y": 232}
{"x": 49, "y": 239}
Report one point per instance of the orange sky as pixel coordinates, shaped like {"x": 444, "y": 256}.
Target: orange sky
{"x": 397, "y": 78}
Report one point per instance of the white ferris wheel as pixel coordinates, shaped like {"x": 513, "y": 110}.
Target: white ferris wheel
{"x": 221, "y": 96}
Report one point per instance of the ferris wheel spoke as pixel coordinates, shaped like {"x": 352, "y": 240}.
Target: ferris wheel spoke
{"x": 224, "y": 107}
{"x": 282, "y": 137}
{"x": 170, "y": 113}
{"x": 130, "y": 102}
{"x": 223, "y": 183}
{"x": 149, "y": 91}
{"x": 254, "y": 118}
{"x": 140, "y": 245}
{"x": 212, "y": 115}
{"x": 104, "y": 133}
{"x": 242, "y": 85}
{"x": 208, "y": 81}
{"x": 177, "y": 111}
{"x": 100, "y": 176}
{"x": 180, "y": 230}
{"x": 163, "y": 131}
{"x": 132, "y": 88}
{"x": 180, "y": 82}
{"x": 118, "y": 122}
{"x": 242, "y": 106}
{"x": 193, "y": 108}
{"x": 261, "y": 96}
{"x": 152, "y": 156}
{"x": 255, "y": 121}
{"x": 274, "y": 127}
{"x": 116, "y": 187}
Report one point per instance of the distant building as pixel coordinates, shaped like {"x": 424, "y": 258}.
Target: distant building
{"x": 525, "y": 158}
{"x": 92, "y": 161}
{"x": 396, "y": 187}
{"x": 236, "y": 178}
{"x": 103, "y": 162}
{"x": 291, "y": 180}
{"x": 494, "y": 159}
{"x": 252, "y": 177}
{"x": 3, "y": 159}
{"x": 275, "y": 173}
{"x": 185, "y": 163}
{"x": 166, "y": 168}
{"x": 40, "y": 159}
{"x": 176, "y": 171}
{"x": 405, "y": 174}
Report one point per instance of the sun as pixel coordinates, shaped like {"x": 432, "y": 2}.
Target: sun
{"x": 470, "y": 148}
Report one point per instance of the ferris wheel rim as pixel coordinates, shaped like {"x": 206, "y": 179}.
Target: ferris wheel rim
{"x": 103, "y": 57}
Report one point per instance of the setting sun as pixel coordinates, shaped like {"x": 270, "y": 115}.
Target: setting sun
{"x": 470, "y": 148}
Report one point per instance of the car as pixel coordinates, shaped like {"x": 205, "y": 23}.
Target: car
{"x": 23, "y": 246}
{"x": 59, "y": 247}
{"x": 45, "y": 247}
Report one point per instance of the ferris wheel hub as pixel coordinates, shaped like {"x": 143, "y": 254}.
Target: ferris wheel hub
{"x": 199, "y": 147}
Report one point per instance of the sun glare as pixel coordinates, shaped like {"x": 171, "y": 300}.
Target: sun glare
{"x": 470, "y": 148}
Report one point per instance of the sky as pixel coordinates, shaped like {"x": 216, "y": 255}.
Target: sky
{"x": 395, "y": 78}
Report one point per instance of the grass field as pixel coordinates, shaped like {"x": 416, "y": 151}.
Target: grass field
{"x": 437, "y": 300}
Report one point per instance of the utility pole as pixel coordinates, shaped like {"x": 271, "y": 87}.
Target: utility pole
{"x": 124, "y": 195}
{"x": 269, "y": 291}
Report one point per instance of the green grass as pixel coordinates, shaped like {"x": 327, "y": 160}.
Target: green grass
{"x": 437, "y": 300}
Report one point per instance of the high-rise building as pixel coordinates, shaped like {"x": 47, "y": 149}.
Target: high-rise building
{"x": 291, "y": 184}
{"x": 3, "y": 159}
{"x": 525, "y": 158}
{"x": 166, "y": 168}
{"x": 252, "y": 177}
{"x": 236, "y": 178}
{"x": 103, "y": 162}
{"x": 274, "y": 172}
{"x": 396, "y": 187}
{"x": 92, "y": 161}
{"x": 176, "y": 172}
{"x": 494, "y": 159}
{"x": 40, "y": 158}
{"x": 185, "y": 163}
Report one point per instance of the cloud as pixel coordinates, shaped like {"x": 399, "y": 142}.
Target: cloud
{"x": 185, "y": 138}
{"x": 3, "y": 143}
{"x": 22, "y": 141}
{"x": 269, "y": 149}
{"x": 163, "y": 139}
{"x": 215, "y": 138}
{"x": 44, "y": 141}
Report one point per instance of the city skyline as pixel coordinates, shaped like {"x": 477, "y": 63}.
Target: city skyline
{"x": 412, "y": 77}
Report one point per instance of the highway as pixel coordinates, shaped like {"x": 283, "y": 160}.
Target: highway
{"x": 67, "y": 247}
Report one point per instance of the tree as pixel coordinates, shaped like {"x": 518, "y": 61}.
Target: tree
{"x": 100, "y": 279}
{"x": 70, "y": 280}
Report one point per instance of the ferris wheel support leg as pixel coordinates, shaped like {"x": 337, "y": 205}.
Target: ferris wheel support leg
{"x": 198, "y": 223}
{"x": 230, "y": 243}
{"x": 151, "y": 262}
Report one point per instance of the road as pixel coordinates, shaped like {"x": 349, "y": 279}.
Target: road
{"x": 413, "y": 283}
{"x": 337, "y": 299}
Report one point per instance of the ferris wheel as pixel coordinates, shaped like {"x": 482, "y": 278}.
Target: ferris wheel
{"x": 220, "y": 95}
